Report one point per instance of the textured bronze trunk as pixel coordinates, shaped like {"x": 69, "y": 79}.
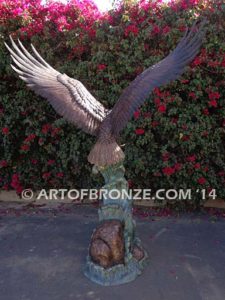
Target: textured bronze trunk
{"x": 115, "y": 253}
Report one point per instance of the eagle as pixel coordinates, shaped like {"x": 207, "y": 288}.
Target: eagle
{"x": 75, "y": 103}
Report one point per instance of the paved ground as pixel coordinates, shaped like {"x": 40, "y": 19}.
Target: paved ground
{"x": 42, "y": 255}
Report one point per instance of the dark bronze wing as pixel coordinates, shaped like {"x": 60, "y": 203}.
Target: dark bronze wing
{"x": 68, "y": 96}
{"x": 170, "y": 68}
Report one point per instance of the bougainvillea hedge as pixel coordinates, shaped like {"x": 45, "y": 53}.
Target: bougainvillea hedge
{"x": 176, "y": 140}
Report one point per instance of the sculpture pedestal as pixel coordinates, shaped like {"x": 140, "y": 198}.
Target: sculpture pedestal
{"x": 115, "y": 253}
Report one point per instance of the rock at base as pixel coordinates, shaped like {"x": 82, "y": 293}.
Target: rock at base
{"x": 107, "y": 244}
{"x": 138, "y": 253}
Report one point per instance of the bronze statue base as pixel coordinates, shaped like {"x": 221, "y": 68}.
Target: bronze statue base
{"x": 117, "y": 274}
{"x": 115, "y": 253}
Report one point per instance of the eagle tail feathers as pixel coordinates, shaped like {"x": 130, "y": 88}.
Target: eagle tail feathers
{"x": 104, "y": 154}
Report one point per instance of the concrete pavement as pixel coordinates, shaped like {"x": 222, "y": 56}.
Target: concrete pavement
{"x": 42, "y": 255}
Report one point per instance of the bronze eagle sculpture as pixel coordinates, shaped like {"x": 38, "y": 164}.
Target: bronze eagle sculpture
{"x": 73, "y": 101}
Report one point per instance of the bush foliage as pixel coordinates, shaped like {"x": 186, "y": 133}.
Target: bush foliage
{"x": 176, "y": 140}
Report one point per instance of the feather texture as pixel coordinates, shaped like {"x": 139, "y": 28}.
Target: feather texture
{"x": 68, "y": 96}
{"x": 72, "y": 100}
{"x": 168, "y": 69}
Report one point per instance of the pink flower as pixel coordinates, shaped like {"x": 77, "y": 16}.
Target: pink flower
{"x": 147, "y": 115}
{"x": 62, "y": 23}
{"x": 197, "y": 61}
{"x": 136, "y": 114}
{"x": 197, "y": 166}
{"x": 5, "y": 130}
{"x": 131, "y": 28}
{"x": 221, "y": 173}
{"x": 51, "y": 162}
{"x": 3, "y": 163}
{"x": 60, "y": 174}
{"x": 202, "y": 180}
{"x": 186, "y": 138}
{"x": 174, "y": 120}
{"x": 192, "y": 95}
{"x": 15, "y": 183}
{"x": 130, "y": 183}
{"x": 25, "y": 147}
{"x": 178, "y": 166}
{"x": 184, "y": 5}
{"x": 55, "y": 131}
{"x": 101, "y": 67}
{"x": 41, "y": 141}
{"x": 165, "y": 156}
{"x": 168, "y": 171}
{"x": 157, "y": 101}
{"x": 46, "y": 175}
{"x": 92, "y": 32}
{"x": 5, "y": 187}
{"x": 157, "y": 92}
{"x": 155, "y": 124}
{"x": 162, "y": 108}
{"x": 166, "y": 29}
{"x": 213, "y": 103}
{"x": 184, "y": 81}
{"x": 34, "y": 161}
{"x": 191, "y": 158}
{"x": 19, "y": 189}
{"x": 214, "y": 95}
{"x": 156, "y": 30}
{"x": 23, "y": 113}
{"x": 139, "y": 70}
{"x": 139, "y": 131}
{"x": 45, "y": 128}
{"x": 30, "y": 138}
{"x": 18, "y": 11}
{"x": 205, "y": 111}
{"x": 213, "y": 63}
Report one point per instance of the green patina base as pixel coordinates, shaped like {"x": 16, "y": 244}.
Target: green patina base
{"x": 117, "y": 209}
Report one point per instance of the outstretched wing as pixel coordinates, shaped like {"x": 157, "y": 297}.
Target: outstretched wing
{"x": 68, "y": 96}
{"x": 170, "y": 68}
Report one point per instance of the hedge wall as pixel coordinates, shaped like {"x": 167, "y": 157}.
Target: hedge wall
{"x": 176, "y": 140}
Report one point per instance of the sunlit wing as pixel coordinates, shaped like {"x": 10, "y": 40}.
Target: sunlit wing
{"x": 68, "y": 96}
